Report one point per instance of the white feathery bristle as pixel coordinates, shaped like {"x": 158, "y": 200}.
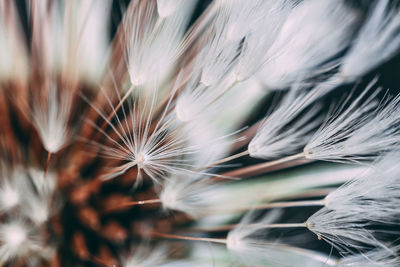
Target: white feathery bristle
{"x": 213, "y": 74}
{"x": 219, "y": 54}
{"x": 213, "y": 131}
{"x": 195, "y": 196}
{"x": 47, "y": 35}
{"x": 13, "y": 186}
{"x": 13, "y": 54}
{"x": 145, "y": 256}
{"x": 275, "y": 138}
{"x": 187, "y": 108}
{"x": 377, "y": 41}
{"x": 159, "y": 148}
{"x": 198, "y": 101}
{"x": 31, "y": 191}
{"x": 259, "y": 24}
{"x": 166, "y": 8}
{"x": 51, "y": 118}
{"x": 209, "y": 139}
{"x": 67, "y": 31}
{"x": 249, "y": 242}
{"x": 197, "y": 98}
{"x": 243, "y": 18}
{"x": 154, "y": 43}
{"x": 9, "y": 197}
{"x": 372, "y": 196}
{"x": 301, "y": 48}
{"x": 85, "y": 27}
{"x": 340, "y": 229}
{"x": 242, "y": 99}
{"x": 44, "y": 183}
{"x": 370, "y": 199}
{"x": 223, "y": 61}
{"x": 36, "y": 209}
{"x": 378, "y": 257}
{"x": 203, "y": 197}
{"x": 184, "y": 194}
{"x": 360, "y": 131}
{"x": 16, "y": 240}
{"x": 156, "y": 153}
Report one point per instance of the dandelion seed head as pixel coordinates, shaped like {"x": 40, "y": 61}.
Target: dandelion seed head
{"x": 166, "y": 102}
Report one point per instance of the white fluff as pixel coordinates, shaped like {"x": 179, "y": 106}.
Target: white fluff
{"x": 275, "y": 138}
{"x": 188, "y": 195}
{"x": 315, "y": 31}
{"x": 17, "y": 239}
{"x": 373, "y": 196}
{"x": 42, "y": 200}
{"x": 163, "y": 150}
{"x": 369, "y": 199}
{"x": 236, "y": 47}
{"x": 51, "y": 115}
{"x": 166, "y": 8}
{"x": 377, "y": 257}
{"x": 71, "y": 36}
{"x": 154, "y": 43}
{"x": 85, "y": 37}
{"x": 156, "y": 154}
{"x": 249, "y": 242}
{"x": 13, "y": 185}
{"x": 377, "y": 41}
{"x": 199, "y": 196}
{"x": 342, "y": 230}
{"x": 259, "y": 23}
{"x": 360, "y": 131}
{"x": 31, "y": 192}
{"x": 13, "y": 54}
{"x": 146, "y": 256}
{"x": 218, "y": 56}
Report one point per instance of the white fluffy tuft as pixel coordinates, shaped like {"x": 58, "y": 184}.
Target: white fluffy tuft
{"x": 361, "y": 131}
{"x": 377, "y": 41}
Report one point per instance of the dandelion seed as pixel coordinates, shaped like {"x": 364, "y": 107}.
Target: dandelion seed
{"x": 12, "y": 187}
{"x": 17, "y": 240}
{"x": 13, "y": 55}
{"x": 273, "y": 139}
{"x": 144, "y": 256}
{"x": 376, "y": 257}
{"x": 154, "y": 43}
{"x": 358, "y": 203}
{"x": 357, "y": 132}
{"x": 377, "y": 41}
{"x": 301, "y": 49}
{"x": 51, "y": 119}
{"x": 251, "y": 245}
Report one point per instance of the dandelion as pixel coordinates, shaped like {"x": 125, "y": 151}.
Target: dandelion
{"x": 199, "y": 133}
